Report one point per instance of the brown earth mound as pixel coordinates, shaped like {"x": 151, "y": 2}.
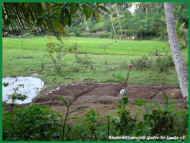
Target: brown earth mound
{"x": 105, "y": 96}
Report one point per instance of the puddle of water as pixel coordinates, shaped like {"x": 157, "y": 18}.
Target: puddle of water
{"x": 28, "y": 86}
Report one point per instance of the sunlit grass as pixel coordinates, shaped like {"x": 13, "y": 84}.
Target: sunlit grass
{"x": 24, "y": 56}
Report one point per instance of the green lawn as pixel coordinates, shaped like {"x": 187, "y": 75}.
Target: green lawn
{"x": 25, "y": 56}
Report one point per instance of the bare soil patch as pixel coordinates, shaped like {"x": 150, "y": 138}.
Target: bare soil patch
{"x": 104, "y": 97}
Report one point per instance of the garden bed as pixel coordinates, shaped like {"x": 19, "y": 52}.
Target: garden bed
{"x": 104, "y": 97}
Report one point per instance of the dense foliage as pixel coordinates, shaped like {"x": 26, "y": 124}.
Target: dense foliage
{"x": 94, "y": 20}
{"x": 146, "y": 22}
{"x": 38, "y": 123}
{"x": 31, "y": 123}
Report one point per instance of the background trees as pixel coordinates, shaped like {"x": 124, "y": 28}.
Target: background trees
{"x": 20, "y": 18}
{"x": 118, "y": 20}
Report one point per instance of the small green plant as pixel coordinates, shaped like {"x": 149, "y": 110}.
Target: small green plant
{"x": 123, "y": 102}
{"x": 142, "y": 129}
{"x": 91, "y": 126}
{"x": 181, "y": 123}
{"x": 123, "y": 78}
{"x": 67, "y": 103}
{"x": 73, "y": 48}
{"x": 124, "y": 124}
{"x": 78, "y": 131}
{"x": 118, "y": 76}
{"x": 91, "y": 119}
{"x": 140, "y": 102}
{"x": 123, "y": 65}
{"x": 15, "y": 96}
{"x": 161, "y": 122}
{"x": 108, "y": 117}
{"x": 141, "y": 63}
{"x": 156, "y": 53}
{"x": 56, "y": 54}
{"x": 84, "y": 60}
{"x": 162, "y": 64}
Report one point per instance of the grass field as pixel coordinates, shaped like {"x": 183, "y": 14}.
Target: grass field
{"x": 26, "y": 56}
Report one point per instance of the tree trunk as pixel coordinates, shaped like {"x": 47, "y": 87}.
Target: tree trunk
{"x": 113, "y": 28}
{"x": 86, "y": 24}
{"x": 180, "y": 65}
{"x": 119, "y": 18}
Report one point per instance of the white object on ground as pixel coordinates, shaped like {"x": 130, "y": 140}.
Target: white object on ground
{"x": 123, "y": 92}
{"x": 31, "y": 87}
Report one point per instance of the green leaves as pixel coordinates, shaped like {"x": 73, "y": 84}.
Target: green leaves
{"x": 56, "y": 54}
{"x": 52, "y": 17}
{"x": 17, "y": 96}
{"x": 87, "y": 10}
{"x": 124, "y": 100}
{"x": 91, "y": 116}
{"x": 5, "y": 84}
{"x": 140, "y": 102}
{"x": 161, "y": 122}
{"x": 125, "y": 123}
{"x": 103, "y": 8}
{"x": 32, "y": 123}
{"x": 65, "y": 15}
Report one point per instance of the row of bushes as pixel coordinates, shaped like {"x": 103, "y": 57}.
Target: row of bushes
{"x": 160, "y": 63}
{"x": 100, "y": 34}
{"x": 37, "y": 122}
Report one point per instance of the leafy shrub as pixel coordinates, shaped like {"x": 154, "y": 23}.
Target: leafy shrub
{"x": 86, "y": 127}
{"x": 118, "y": 76}
{"x": 160, "y": 64}
{"x": 180, "y": 119}
{"x": 141, "y": 63}
{"x": 84, "y": 61}
{"x": 86, "y": 34}
{"x": 140, "y": 102}
{"x": 74, "y": 30}
{"x": 165, "y": 120}
{"x": 77, "y": 132}
{"x": 142, "y": 129}
{"x": 102, "y": 34}
{"x": 124, "y": 124}
{"x": 32, "y": 123}
{"x": 74, "y": 48}
{"x": 161, "y": 122}
{"x": 91, "y": 118}
{"x": 97, "y": 27}
{"x": 123, "y": 102}
{"x": 181, "y": 123}
{"x": 55, "y": 53}
{"x": 156, "y": 53}
{"x": 40, "y": 123}
{"x": 90, "y": 127}
{"x": 163, "y": 63}
{"x": 123, "y": 66}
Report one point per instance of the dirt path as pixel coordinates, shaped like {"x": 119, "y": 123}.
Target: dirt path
{"x": 105, "y": 96}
